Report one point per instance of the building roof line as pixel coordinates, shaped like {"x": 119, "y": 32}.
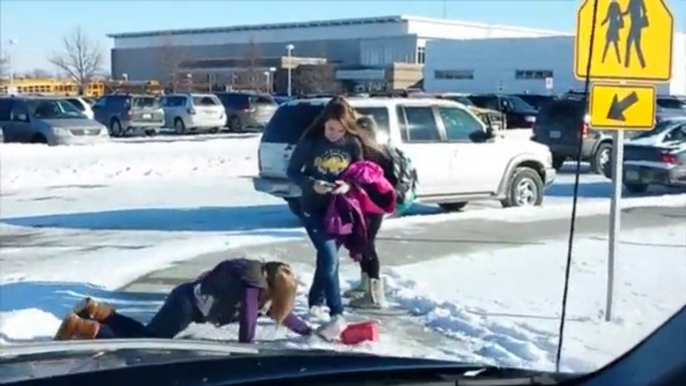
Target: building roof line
{"x": 324, "y": 23}
{"x": 262, "y": 27}
{"x": 483, "y": 25}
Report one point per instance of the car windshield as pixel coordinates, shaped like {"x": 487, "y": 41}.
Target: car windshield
{"x": 53, "y": 109}
{"x": 143, "y": 102}
{"x": 460, "y": 99}
{"x": 517, "y": 103}
{"x": 400, "y": 199}
{"x": 660, "y": 128}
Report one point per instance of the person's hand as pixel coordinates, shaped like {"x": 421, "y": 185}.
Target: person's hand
{"x": 341, "y": 188}
{"x": 321, "y": 187}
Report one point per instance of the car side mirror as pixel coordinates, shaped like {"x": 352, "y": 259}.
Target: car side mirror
{"x": 490, "y": 132}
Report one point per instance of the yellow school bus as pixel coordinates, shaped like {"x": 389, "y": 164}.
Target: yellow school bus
{"x": 150, "y": 87}
{"x": 52, "y": 86}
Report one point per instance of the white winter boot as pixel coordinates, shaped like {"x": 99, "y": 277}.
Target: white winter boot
{"x": 374, "y": 298}
{"x": 361, "y": 289}
{"x": 333, "y": 329}
{"x": 320, "y": 313}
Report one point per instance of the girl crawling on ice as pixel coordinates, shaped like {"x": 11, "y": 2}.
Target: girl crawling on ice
{"x": 237, "y": 290}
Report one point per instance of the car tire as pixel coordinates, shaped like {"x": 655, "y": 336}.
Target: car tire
{"x": 115, "y": 128}
{"x": 525, "y": 189}
{"x": 179, "y": 126}
{"x": 558, "y": 161}
{"x": 601, "y": 157}
{"x": 453, "y": 206}
{"x": 235, "y": 124}
{"x": 39, "y": 139}
{"x": 636, "y": 188}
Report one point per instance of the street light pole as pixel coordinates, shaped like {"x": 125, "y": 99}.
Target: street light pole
{"x": 10, "y": 61}
{"x": 290, "y": 49}
{"x": 266, "y": 81}
{"x": 272, "y": 70}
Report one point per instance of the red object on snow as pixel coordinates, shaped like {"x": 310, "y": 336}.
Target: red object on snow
{"x": 356, "y": 333}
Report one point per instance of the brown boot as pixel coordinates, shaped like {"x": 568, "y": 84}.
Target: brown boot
{"x": 75, "y": 328}
{"x": 90, "y": 309}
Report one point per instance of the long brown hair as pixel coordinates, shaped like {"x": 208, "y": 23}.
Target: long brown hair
{"x": 340, "y": 109}
{"x": 368, "y": 127}
{"x": 282, "y": 286}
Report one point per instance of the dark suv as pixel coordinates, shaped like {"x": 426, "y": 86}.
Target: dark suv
{"x": 561, "y": 123}
{"x": 518, "y": 113}
{"x": 247, "y": 110}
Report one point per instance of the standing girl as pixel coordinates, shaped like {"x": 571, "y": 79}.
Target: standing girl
{"x": 370, "y": 293}
{"x": 326, "y": 149}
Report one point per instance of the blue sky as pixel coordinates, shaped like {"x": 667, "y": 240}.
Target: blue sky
{"x": 38, "y": 25}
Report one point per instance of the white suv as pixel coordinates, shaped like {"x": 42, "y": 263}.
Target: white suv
{"x": 193, "y": 113}
{"x": 458, "y": 158}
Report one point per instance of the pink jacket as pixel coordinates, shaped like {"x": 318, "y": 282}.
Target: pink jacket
{"x": 370, "y": 194}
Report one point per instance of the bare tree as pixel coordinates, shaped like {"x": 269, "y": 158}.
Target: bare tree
{"x": 172, "y": 56}
{"x": 316, "y": 79}
{"x": 251, "y": 76}
{"x": 81, "y": 58}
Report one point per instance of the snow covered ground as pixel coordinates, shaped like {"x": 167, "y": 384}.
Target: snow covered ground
{"x": 87, "y": 220}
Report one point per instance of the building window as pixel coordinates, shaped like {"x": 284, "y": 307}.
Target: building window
{"x": 421, "y": 55}
{"x": 533, "y": 74}
{"x": 454, "y": 74}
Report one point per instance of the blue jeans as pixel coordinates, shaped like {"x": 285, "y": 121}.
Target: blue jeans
{"x": 177, "y": 313}
{"x": 326, "y": 281}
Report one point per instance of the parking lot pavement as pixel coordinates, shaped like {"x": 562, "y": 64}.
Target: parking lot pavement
{"x": 411, "y": 244}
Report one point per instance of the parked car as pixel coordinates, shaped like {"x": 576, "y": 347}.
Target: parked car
{"x": 671, "y": 104}
{"x": 519, "y": 114}
{"x": 493, "y": 118}
{"x": 83, "y": 106}
{"x": 656, "y": 157}
{"x": 47, "y": 120}
{"x": 247, "y": 110}
{"x": 193, "y": 113}
{"x": 282, "y": 99}
{"x": 123, "y": 113}
{"x": 536, "y": 101}
{"x": 562, "y": 122}
{"x": 458, "y": 158}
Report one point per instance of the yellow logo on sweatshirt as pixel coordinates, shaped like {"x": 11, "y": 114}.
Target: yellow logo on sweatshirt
{"x": 332, "y": 162}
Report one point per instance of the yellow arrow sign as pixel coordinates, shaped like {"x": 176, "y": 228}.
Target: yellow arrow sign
{"x": 632, "y": 41}
{"x": 622, "y": 107}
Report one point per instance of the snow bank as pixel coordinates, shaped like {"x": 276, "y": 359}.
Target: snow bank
{"x": 29, "y": 166}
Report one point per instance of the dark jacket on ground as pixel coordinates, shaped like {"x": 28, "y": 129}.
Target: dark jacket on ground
{"x": 230, "y": 293}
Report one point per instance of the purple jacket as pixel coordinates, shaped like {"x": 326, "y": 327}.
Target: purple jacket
{"x": 230, "y": 293}
{"x": 370, "y": 194}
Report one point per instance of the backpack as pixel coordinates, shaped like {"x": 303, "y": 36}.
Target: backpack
{"x": 406, "y": 176}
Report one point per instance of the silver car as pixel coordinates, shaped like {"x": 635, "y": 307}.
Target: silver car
{"x": 52, "y": 121}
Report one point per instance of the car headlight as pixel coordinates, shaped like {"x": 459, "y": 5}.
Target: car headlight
{"x": 530, "y": 119}
{"x": 60, "y": 131}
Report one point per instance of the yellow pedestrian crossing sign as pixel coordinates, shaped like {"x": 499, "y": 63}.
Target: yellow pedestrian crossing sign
{"x": 632, "y": 40}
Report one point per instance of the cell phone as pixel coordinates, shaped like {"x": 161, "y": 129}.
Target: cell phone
{"x": 329, "y": 185}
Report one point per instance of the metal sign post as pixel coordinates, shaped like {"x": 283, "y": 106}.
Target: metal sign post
{"x": 615, "y": 218}
{"x": 644, "y": 58}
